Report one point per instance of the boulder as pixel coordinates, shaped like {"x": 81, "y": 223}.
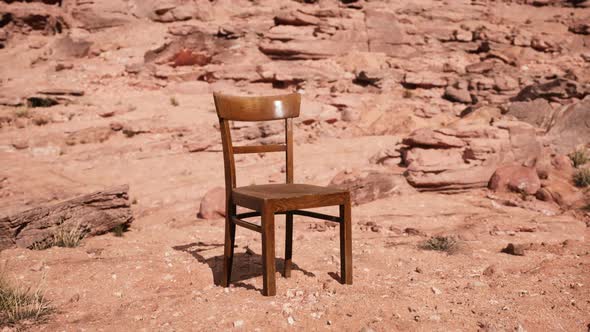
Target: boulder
{"x": 313, "y": 35}
{"x": 96, "y": 15}
{"x": 213, "y": 204}
{"x": 424, "y": 80}
{"x": 557, "y": 186}
{"x": 387, "y": 157}
{"x": 369, "y": 185}
{"x": 459, "y": 95}
{"x": 537, "y": 112}
{"x": 383, "y": 32}
{"x": 553, "y": 90}
{"x": 518, "y": 179}
{"x": 426, "y": 137}
{"x": 89, "y": 135}
{"x": 297, "y": 18}
{"x": 451, "y": 179}
{"x": 467, "y": 153}
{"x": 570, "y": 127}
{"x": 166, "y": 13}
{"x": 73, "y": 45}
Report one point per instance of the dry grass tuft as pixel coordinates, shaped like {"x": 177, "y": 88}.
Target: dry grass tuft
{"x": 21, "y": 305}
{"x": 66, "y": 236}
{"x": 119, "y": 230}
{"x": 440, "y": 243}
{"x": 22, "y": 112}
{"x": 582, "y": 178}
{"x": 579, "y": 158}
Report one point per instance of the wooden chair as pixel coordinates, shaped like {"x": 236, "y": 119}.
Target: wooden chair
{"x": 270, "y": 199}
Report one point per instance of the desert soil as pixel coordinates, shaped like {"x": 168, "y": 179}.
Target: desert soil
{"x": 140, "y": 117}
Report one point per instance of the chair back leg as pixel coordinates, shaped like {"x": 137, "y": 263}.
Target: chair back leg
{"x": 288, "y": 244}
{"x": 268, "y": 252}
{"x": 346, "y": 243}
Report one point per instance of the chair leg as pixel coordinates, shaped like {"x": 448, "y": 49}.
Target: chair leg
{"x": 288, "y": 244}
{"x": 228, "y": 252}
{"x": 268, "y": 252}
{"x": 346, "y": 244}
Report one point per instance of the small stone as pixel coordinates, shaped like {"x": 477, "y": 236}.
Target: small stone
{"x": 376, "y": 229}
{"x": 38, "y": 267}
{"x": 197, "y": 147}
{"x": 238, "y": 323}
{"x": 107, "y": 114}
{"x": 458, "y": 95}
{"x": 290, "y": 320}
{"x": 436, "y": 291}
{"x": 116, "y": 126}
{"x": 490, "y": 270}
{"x": 434, "y": 318}
{"x": 63, "y": 66}
{"x": 20, "y": 144}
{"x": 366, "y": 329}
{"x": 413, "y": 231}
{"x": 514, "y": 249}
{"x": 75, "y": 298}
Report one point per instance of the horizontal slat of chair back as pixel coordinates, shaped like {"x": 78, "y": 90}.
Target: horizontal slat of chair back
{"x": 260, "y": 148}
{"x": 265, "y": 108}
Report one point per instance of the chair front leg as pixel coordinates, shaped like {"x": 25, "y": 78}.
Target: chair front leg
{"x": 288, "y": 244}
{"x": 230, "y": 239}
{"x": 346, "y": 243}
{"x": 268, "y": 251}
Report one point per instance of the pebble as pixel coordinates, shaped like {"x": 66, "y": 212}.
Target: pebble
{"x": 490, "y": 270}
{"x": 38, "y": 267}
{"x": 238, "y": 323}
{"x": 290, "y": 320}
{"x": 514, "y": 249}
{"x": 436, "y": 290}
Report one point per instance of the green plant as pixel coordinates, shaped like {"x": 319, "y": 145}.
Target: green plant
{"x": 582, "y": 177}
{"x": 19, "y": 304}
{"x": 579, "y": 157}
{"x": 22, "y": 112}
{"x": 440, "y": 243}
{"x": 174, "y": 101}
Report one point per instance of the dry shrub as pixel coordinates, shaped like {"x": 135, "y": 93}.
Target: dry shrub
{"x": 579, "y": 158}
{"x": 582, "y": 178}
{"x": 20, "y": 304}
{"x": 440, "y": 243}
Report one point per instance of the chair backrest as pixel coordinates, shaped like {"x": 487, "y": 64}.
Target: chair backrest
{"x": 234, "y": 108}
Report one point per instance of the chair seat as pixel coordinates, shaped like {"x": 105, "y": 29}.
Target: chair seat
{"x": 289, "y": 196}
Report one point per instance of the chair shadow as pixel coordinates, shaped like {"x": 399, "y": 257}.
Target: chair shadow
{"x": 246, "y": 265}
